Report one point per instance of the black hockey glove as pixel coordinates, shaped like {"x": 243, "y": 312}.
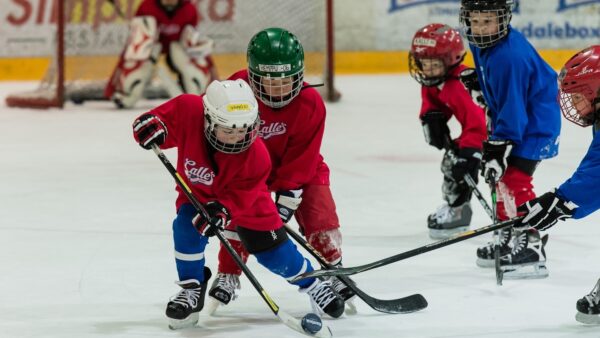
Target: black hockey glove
{"x": 218, "y": 219}
{"x": 543, "y": 212}
{"x": 148, "y": 130}
{"x": 287, "y": 202}
{"x": 494, "y": 158}
{"x": 469, "y": 79}
{"x": 435, "y": 129}
{"x": 467, "y": 162}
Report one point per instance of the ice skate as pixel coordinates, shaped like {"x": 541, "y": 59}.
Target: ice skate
{"x": 183, "y": 308}
{"x": 448, "y": 221}
{"x": 222, "y": 291}
{"x": 485, "y": 254}
{"x": 324, "y": 299}
{"x": 527, "y": 259}
{"x": 588, "y": 307}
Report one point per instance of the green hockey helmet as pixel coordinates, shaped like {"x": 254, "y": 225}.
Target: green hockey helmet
{"x": 275, "y": 66}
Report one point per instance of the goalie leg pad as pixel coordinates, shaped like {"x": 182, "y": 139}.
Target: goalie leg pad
{"x": 136, "y": 65}
{"x": 194, "y": 73}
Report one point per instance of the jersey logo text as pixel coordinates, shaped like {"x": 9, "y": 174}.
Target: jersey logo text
{"x": 199, "y": 175}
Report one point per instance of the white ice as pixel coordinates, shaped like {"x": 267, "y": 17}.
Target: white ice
{"x": 86, "y": 248}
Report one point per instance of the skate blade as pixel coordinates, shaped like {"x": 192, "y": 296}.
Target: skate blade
{"x": 190, "y": 321}
{"x": 485, "y": 263}
{"x": 587, "y": 319}
{"x": 350, "y": 309}
{"x": 212, "y": 306}
{"x": 446, "y": 233}
{"x": 525, "y": 271}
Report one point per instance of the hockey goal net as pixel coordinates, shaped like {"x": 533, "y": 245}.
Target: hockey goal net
{"x": 85, "y": 40}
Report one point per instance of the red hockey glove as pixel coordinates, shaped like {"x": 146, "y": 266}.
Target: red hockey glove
{"x": 218, "y": 219}
{"x": 148, "y": 130}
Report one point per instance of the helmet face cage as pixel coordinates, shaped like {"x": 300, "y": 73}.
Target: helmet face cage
{"x": 435, "y": 50}
{"x": 576, "y": 108}
{"x": 276, "y": 90}
{"x": 210, "y": 132}
{"x": 492, "y": 25}
{"x": 415, "y": 67}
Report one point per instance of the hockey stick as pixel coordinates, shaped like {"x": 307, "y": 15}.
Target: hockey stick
{"x": 470, "y": 181}
{"x": 499, "y": 272}
{"x": 411, "y": 253}
{"x": 407, "y": 304}
{"x": 284, "y": 317}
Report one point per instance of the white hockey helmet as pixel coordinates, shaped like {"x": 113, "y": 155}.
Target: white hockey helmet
{"x": 230, "y": 105}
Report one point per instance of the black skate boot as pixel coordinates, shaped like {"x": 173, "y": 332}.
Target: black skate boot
{"x": 324, "y": 299}
{"x": 183, "y": 308}
{"x": 343, "y": 290}
{"x": 588, "y": 307}
{"x": 527, "y": 259}
{"x": 448, "y": 221}
{"x": 485, "y": 254}
{"x": 222, "y": 290}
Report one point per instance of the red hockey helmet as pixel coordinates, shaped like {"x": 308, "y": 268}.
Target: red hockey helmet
{"x": 435, "y": 41}
{"x": 579, "y": 87}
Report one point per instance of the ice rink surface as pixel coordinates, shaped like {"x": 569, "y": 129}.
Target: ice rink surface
{"x": 86, "y": 248}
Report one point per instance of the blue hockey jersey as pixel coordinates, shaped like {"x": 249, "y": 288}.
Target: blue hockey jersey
{"x": 582, "y": 187}
{"x": 521, "y": 92}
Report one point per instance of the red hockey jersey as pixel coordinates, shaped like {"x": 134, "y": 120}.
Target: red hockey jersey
{"x": 169, "y": 26}
{"x": 293, "y": 135}
{"x": 235, "y": 180}
{"x": 452, "y": 98}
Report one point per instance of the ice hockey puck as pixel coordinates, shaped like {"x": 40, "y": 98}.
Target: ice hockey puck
{"x": 311, "y": 323}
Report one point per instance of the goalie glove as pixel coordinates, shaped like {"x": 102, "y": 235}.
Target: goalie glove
{"x": 287, "y": 202}
{"x": 494, "y": 159}
{"x": 148, "y": 130}
{"x": 218, "y": 219}
{"x": 543, "y": 212}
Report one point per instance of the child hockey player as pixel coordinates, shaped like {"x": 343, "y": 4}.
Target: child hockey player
{"x": 435, "y": 61}
{"x": 225, "y": 164}
{"x": 292, "y": 127}
{"x": 579, "y": 83}
{"x": 520, "y": 93}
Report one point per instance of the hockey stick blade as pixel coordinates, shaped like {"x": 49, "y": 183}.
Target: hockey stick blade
{"x": 407, "y": 304}
{"x": 411, "y": 253}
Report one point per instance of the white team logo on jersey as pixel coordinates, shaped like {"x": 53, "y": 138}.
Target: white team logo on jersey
{"x": 200, "y": 175}
{"x": 273, "y": 129}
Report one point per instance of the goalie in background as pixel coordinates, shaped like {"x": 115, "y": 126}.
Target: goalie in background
{"x": 162, "y": 27}
{"x": 435, "y": 61}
